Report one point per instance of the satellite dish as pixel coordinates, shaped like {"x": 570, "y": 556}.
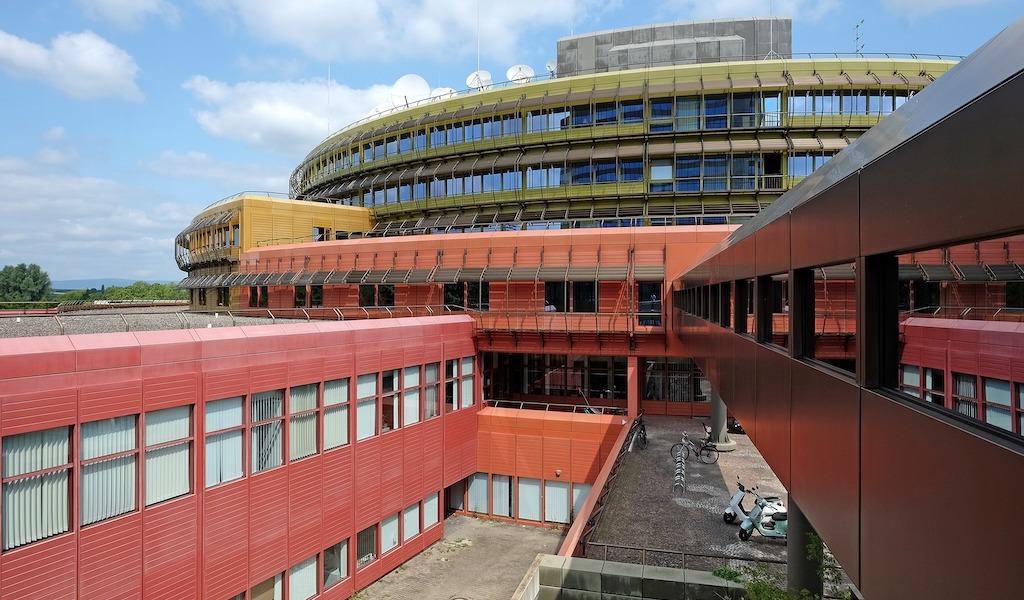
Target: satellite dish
{"x": 378, "y": 110}
{"x": 520, "y": 73}
{"x": 409, "y": 89}
{"x": 480, "y": 80}
{"x": 552, "y": 67}
{"x": 442, "y": 92}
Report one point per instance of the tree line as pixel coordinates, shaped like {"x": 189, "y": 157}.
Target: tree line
{"x": 28, "y": 283}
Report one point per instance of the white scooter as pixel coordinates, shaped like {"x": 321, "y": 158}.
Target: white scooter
{"x": 777, "y": 526}
{"x": 736, "y": 509}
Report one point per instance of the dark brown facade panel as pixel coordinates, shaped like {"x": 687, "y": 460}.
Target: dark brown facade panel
{"x": 772, "y": 410}
{"x": 956, "y": 182}
{"x": 772, "y": 245}
{"x": 912, "y": 462}
{"x": 823, "y": 231}
{"x": 825, "y": 432}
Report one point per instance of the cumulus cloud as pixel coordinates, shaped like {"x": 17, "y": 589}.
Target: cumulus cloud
{"x": 810, "y": 10}
{"x": 287, "y": 118}
{"x": 83, "y": 65}
{"x": 129, "y": 14}
{"x": 90, "y": 224}
{"x": 388, "y": 29}
{"x": 230, "y": 175}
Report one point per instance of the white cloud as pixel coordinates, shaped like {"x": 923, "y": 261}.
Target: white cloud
{"x": 288, "y": 118}
{"x": 910, "y": 9}
{"x": 129, "y": 14}
{"x": 82, "y": 65}
{"x": 233, "y": 176}
{"x": 386, "y": 29}
{"x": 806, "y": 10}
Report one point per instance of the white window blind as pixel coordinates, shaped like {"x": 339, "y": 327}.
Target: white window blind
{"x": 467, "y": 392}
{"x": 430, "y": 510}
{"x": 302, "y": 580}
{"x": 302, "y": 427}
{"x": 366, "y": 386}
{"x": 36, "y": 506}
{"x": 223, "y": 450}
{"x": 556, "y": 501}
{"x": 478, "y": 493}
{"x": 168, "y": 472}
{"x": 411, "y": 522}
{"x": 223, "y": 414}
{"x": 366, "y": 419}
{"x": 529, "y": 499}
{"x": 580, "y": 491}
{"x": 335, "y": 413}
{"x": 389, "y": 533}
{"x": 108, "y": 485}
{"x": 267, "y": 445}
{"x": 501, "y": 494}
{"x": 336, "y": 392}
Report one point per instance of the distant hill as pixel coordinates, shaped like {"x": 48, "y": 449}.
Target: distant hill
{"x": 89, "y": 284}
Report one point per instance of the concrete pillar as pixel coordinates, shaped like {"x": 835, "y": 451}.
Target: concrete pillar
{"x": 632, "y": 386}
{"x": 719, "y": 434}
{"x": 803, "y": 569}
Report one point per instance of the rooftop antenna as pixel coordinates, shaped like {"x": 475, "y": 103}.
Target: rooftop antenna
{"x": 771, "y": 34}
{"x": 408, "y": 90}
{"x": 552, "y": 67}
{"x": 519, "y": 74}
{"x": 857, "y": 45}
{"x": 329, "y": 56}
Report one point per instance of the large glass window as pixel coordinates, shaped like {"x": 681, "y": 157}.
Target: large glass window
{"x": 223, "y": 441}
{"x": 478, "y": 493}
{"x": 366, "y": 407}
{"x": 715, "y": 110}
{"x": 335, "y": 413}
{"x": 431, "y": 510}
{"x": 389, "y": 533}
{"x": 267, "y": 590}
{"x": 366, "y": 546}
{"x": 267, "y": 418}
{"x": 168, "y": 453}
{"x": 335, "y": 563}
{"x": 302, "y": 580}
{"x": 36, "y": 470}
{"x": 467, "y": 395}
{"x": 109, "y": 466}
{"x": 411, "y": 396}
{"x": 997, "y": 403}
{"x": 688, "y": 113}
{"x": 431, "y": 390}
{"x": 529, "y": 499}
{"x": 556, "y": 501}
{"x": 965, "y": 394}
{"x": 410, "y": 522}
{"x": 580, "y": 492}
{"x": 502, "y": 496}
{"x": 302, "y": 425}
{"x": 391, "y": 399}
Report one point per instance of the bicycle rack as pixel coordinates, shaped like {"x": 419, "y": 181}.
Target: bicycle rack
{"x": 680, "y": 479}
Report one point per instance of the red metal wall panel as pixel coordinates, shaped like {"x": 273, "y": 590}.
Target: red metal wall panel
{"x": 47, "y": 569}
{"x": 105, "y": 394}
{"x": 171, "y": 390}
{"x": 392, "y": 461}
{"x": 226, "y": 540}
{"x": 110, "y": 558}
{"x": 337, "y": 493}
{"x": 170, "y": 532}
{"x": 367, "y": 482}
{"x": 37, "y": 410}
{"x": 225, "y": 383}
{"x": 268, "y": 510}
{"x": 412, "y": 488}
{"x": 305, "y": 508}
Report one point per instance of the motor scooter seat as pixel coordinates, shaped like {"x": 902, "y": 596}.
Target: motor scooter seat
{"x": 779, "y": 516}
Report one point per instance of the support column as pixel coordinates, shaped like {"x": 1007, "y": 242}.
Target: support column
{"x": 632, "y": 386}
{"x": 803, "y": 568}
{"x": 719, "y": 434}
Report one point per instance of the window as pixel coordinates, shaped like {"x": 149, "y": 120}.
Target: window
{"x": 584, "y": 296}
{"x": 223, "y": 441}
{"x": 478, "y": 493}
{"x": 267, "y": 590}
{"x": 688, "y": 113}
{"x": 580, "y": 491}
{"x": 997, "y": 403}
{"x": 910, "y": 381}
{"x": 556, "y": 501}
{"x": 335, "y": 563}
{"x": 223, "y": 296}
{"x": 366, "y": 407}
{"x": 389, "y": 534}
{"x": 316, "y": 295}
{"x": 254, "y": 296}
{"x": 661, "y": 175}
{"x": 501, "y": 495}
{"x": 264, "y": 296}
{"x": 715, "y": 109}
{"x": 168, "y": 453}
{"x": 300, "y": 296}
{"x": 302, "y": 580}
{"x": 631, "y": 111}
{"x": 529, "y": 499}
{"x": 391, "y": 399}
{"x": 467, "y": 396}
{"x": 109, "y": 450}
{"x": 451, "y": 386}
{"x": 411, "y": 396}
{"x": 335, "y": 413}
{"x": 366, "y": 546}
{"x": 36, "y": 499}
{"x": 965, "y": 394}
{"x": 267, "y": 416}
{"x": 411, "y": 522}
{"x": 431, "y": 511}
{"x": 431, "y": 390}
{"x": 302, "y": 425}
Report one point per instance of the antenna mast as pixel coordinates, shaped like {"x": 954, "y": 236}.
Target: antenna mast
{"x": 771, "y": 33}
{"x": 857, "y": 45}
{"x": 328, "y": 95}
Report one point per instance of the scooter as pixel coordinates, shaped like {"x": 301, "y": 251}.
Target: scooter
{"x": 736, "y": 508}
{"x": 777, "y": 526}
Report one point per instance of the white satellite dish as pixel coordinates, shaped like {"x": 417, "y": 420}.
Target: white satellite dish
{"x": 378, "y": 110}
{"x": 442, "y": 92}
{"x": 552, "y": 67}
{"x": 479, "y": 80}
{"x": 409, "y": 89}
{"x": 520, "y": 73}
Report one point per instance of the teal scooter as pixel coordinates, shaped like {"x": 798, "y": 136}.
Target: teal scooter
{"x": 777, "y": 526}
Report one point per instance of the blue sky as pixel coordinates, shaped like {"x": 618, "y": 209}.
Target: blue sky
{"x": 124, "y": 118}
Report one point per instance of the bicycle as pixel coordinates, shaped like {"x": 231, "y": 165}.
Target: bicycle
{"x": 639, "y": 438}
{"x": 706, "y": 451}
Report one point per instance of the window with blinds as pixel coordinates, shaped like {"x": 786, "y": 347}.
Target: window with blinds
{"x": 36, "y": 469}
{"x": 168, "y": 453}
{"x": 267, "y": 416}
{"x": 302, "y": 580}
{"x": 411, "y": 396}
{"x": 431, "y": 390}
{"x": 366, "y": 406}
{"x": 302, "y": 422}
{"x": 466, "y": 396}
{"x": 366, "y": 546}
{"x": 431, "y": 508}
{"x": 410, "y": 522}
{"x": 224, "y": 426}
{"x": 109, "y": 468}
{"x": 389, "y": 534}
{"x": 336, "y": 420}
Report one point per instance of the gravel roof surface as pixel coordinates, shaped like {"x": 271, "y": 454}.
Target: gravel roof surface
{"x": 119, "y": 320}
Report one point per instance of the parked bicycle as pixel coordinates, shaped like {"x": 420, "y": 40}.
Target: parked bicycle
{"x": 639, "y": 439}
{"x": 706, "y": 449}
